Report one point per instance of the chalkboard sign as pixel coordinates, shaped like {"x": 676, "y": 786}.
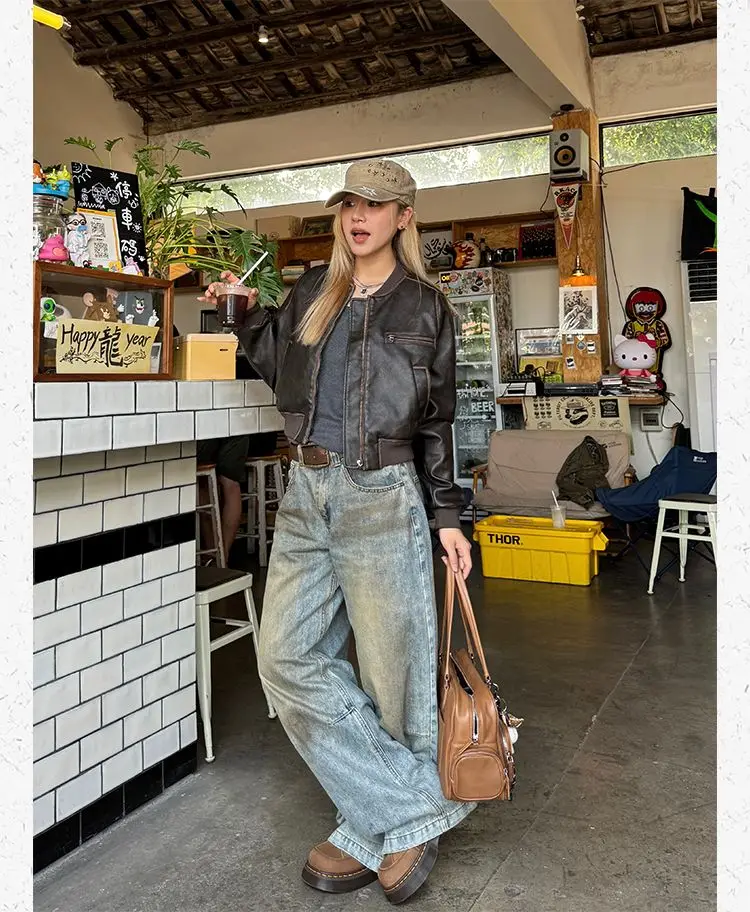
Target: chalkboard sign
{"x": 111, "y": 201}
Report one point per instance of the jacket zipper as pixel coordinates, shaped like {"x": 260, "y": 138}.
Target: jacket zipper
{"x": 361, "y": 462}
{"x": 321, "y": 346}
{"x": 418, "y": 340}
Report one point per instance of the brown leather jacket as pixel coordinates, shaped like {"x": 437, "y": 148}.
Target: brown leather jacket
{"x": 400, "y": 380}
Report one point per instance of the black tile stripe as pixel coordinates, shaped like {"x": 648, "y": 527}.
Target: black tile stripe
{"x": 63, "y": 558}
{"x": 69, "y": 834}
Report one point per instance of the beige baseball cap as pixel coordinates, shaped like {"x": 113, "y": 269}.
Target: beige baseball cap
{"x": 380, "y": 180}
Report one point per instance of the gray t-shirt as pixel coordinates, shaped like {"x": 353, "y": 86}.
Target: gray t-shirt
{"x": 328, "y": 423}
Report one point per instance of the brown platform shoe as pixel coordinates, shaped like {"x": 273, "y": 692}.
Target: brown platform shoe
{"x": 333, "y": 871}
{"x": 403, "y": 873}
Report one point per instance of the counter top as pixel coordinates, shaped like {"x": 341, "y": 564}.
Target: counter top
{"x": 97, "y": 416}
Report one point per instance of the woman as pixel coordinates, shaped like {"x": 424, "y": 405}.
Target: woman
{"x": 361, "y": 357}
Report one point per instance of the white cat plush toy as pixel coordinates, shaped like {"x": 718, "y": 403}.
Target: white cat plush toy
{"x": 635, "y": 357}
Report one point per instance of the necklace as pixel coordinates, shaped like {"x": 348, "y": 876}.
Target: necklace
{"x": 365, "y": 289}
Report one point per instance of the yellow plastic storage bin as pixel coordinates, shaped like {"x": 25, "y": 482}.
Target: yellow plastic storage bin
{"x": 529, "y": 548}
{"x": 205, "y": 356}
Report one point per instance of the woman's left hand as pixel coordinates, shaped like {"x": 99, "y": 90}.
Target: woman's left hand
{"x": 458, "y": 550}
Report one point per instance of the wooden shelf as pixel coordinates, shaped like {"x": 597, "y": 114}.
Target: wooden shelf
{"x": 633, "y": 401}
{"x": 309, "y": 247}
{"x": 519, "y": 264}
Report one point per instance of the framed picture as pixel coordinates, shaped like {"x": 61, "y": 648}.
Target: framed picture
{"x": 578, "y": 309}
{"x": 104, "y": 243}
{"x": 536, "y": 342}
{"x": 436, "y": 248}
{"x": 318, "y": 224}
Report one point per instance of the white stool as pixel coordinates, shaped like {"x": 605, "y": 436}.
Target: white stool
{"x": 685, "y": 531}
{"x": 261, "y": 495}
{"x": 208, "y": 472}
{"x": 212, "y": 584}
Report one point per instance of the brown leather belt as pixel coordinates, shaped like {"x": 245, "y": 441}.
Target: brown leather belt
{"x": 313, "y": 457}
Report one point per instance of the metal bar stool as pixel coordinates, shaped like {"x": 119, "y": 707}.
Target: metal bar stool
{"x": 212, "y": 584}
{"x": 207, "y": 473}
{"x": 260, "y": 495}
{"x": 684, "y": 531}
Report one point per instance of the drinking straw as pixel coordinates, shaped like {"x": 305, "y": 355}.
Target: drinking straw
{"x": 253, "y": 267}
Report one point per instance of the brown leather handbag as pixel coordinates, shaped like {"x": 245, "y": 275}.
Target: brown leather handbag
{"x": 476, "y": 759}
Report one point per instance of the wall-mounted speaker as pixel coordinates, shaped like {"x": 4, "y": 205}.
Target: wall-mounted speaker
{"x": 568, "y": 156}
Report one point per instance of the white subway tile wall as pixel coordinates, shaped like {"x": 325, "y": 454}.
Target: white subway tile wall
{"x": 114, "y": 653}
{"x": 96, "y": 417}
{"x": 156, "y": 396}
{"x": 112, "y": 398}
{"x": 133, "y": 430}
{"x": 86, "y": 435}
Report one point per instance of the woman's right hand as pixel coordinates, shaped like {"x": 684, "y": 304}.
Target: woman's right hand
{"x": 227, "y": 278}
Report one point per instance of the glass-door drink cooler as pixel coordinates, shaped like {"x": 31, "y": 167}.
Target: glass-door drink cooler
{"x": 484, "y": 359}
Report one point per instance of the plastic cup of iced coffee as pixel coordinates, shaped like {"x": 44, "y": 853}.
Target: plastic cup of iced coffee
{"x": 231, "y": 304}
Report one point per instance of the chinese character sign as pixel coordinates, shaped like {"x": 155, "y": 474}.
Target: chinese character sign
{"x": 91, "y": 347}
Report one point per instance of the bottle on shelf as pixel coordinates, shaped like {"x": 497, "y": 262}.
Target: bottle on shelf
{"x": 467, "y": 252}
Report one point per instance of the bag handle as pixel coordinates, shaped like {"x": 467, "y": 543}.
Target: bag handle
{"x": 470, "y": 623}
{"x": 455, "y": 582}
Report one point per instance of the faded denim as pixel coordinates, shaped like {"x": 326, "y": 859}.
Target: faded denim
{"x": 352, "y": 551}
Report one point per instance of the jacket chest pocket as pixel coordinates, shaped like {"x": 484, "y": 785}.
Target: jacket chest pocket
{"x": 403, "y": 338}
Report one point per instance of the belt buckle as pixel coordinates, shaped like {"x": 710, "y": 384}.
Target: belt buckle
{"x": 313, "y": 465}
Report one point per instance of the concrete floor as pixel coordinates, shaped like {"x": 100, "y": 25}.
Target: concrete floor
{"x": 615, "y": 803}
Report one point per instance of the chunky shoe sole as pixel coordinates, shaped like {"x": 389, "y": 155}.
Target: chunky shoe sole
{"x": 337, "y": 883}
{"x": 415, "y": 878}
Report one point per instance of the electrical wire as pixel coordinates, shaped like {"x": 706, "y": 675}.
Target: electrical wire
{"x": 544, "y": 201}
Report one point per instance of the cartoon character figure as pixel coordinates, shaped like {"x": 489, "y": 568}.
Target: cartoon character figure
{"x": 38, "y": 173}
{"x": 136, "y": 307}
{"x": 49, "y": 313}
{"x": 53, "y": 250}
{"x": 102, "y": 311}
{"x": 636, "y": 357}
{"x": 131, "y": 267}
{"x": 77, "y": 237}
{"x": 645, "y": 307}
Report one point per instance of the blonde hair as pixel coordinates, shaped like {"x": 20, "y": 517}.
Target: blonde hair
{"x": 335, "y": 288}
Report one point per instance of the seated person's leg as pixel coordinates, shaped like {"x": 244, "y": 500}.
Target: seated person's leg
{"x": 230, "y": 467}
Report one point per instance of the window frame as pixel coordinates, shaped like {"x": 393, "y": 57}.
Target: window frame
{"x": 650, "y": 118}
{"x": 226, "y": 177}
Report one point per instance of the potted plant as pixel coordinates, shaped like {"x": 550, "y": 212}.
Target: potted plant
{"x": 181, "y": 237}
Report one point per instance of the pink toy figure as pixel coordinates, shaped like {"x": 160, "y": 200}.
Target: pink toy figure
{"x": 53, "y": 250}
{"x": 636, "y": 356}
{"x": 131, "y": 267}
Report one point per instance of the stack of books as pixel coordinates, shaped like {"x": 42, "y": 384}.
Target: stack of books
{"x": 290, "y": 274}
{"x": 615, "y": 385}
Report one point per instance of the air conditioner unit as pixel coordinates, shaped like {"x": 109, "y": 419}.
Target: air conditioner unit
{"x": 568, "y": 156}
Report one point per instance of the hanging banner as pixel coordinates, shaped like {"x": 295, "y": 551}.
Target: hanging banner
{"x": 566, "y": 203}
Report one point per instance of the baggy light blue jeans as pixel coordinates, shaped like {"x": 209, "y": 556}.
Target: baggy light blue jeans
{"x": 352, "y": 552}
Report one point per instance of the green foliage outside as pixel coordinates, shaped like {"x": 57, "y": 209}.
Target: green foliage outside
{"x": 652, "y": 140}
{"x": 659, "y": 140}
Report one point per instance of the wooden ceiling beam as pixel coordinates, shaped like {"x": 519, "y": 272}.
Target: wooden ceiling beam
{"x": 695, "y": 12}
{"x": 653, "y": 41}
{"x": 249, "y": 112}
{"x": 344, "y": 52}
{"x": 340, "y": 9}
{"x": 661, "y": 18}
{"x": 81, "y": 12}
{"x": 613, "y": 7}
